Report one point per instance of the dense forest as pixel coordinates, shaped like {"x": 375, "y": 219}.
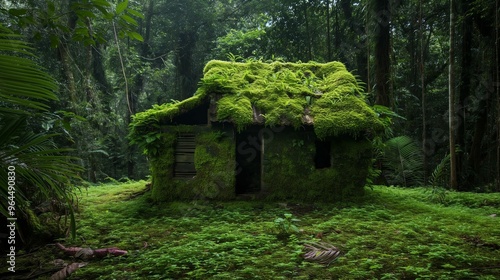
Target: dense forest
{"x": 111, "y": 60}
{"x": 73, "y": 73}
{"x": 434, "y": 64}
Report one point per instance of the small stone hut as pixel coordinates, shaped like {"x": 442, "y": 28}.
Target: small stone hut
{"x": 276, "y": 130}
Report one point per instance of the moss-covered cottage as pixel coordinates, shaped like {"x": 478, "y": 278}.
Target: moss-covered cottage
{"x": 276, "y": 130}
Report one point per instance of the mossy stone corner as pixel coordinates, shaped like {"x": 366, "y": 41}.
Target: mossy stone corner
{"x": 258, "y": 128}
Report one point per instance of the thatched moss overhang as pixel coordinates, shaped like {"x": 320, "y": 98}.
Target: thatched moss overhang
{"x": 273, "y": 94}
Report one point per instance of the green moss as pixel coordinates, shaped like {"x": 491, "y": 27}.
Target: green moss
{"x": 279, "y": 93}
{"x": 236, "y": 108}
{"x": 215, "y": 166}
{"x": 343, "y": 115}
{"x": 294, "y": 176}
{"x": 214, "y": 163}
{"x": 145, "y": 126}
{"x": 278, "y": 90}
{"x": 162, "y": 167}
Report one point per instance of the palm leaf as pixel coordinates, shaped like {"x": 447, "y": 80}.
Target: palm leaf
{"x": 37, "y": 161}
{"x": 39, "y": 164}
{"x": 322, "y": 253}
{"x": 23, "y": 84}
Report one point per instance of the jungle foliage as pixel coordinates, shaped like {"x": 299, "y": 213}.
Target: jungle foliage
{"x": 33, "y": 168}
{"x": 110, "y": 59}
{"x": 391, "y": 233}
{"x": 116, "y": 58}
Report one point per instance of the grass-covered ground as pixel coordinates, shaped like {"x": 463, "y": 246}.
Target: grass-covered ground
{"x": 391, "y": 233}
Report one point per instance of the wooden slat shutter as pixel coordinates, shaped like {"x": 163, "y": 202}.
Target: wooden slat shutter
{"x": 184, "y": 156}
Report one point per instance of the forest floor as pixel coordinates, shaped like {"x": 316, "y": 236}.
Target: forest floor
{"x": 391, "y": 233}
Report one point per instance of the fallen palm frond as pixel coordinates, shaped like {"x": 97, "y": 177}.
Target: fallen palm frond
{"x": 66, "y": 271}
{"x": 86, "y": 253}
{"x": 323, "y": 253}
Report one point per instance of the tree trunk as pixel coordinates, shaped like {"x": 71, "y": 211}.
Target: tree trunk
{"x": 464, "y": 92}
{"x": 65, "y": 56}
{"x": 476, "y": 150}
{"x": 99, "y": 74}
{"x": 422, "y": 88}
{"x": 382, "y": 53}
{"x": 328, "y": 32}
{"x": 497, "y": 88}
{"x": 308, "y": 32}
{"x": 68, "y": 71}
{"x": 451, "y": 104}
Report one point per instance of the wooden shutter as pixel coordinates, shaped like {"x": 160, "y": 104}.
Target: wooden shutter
{"x": 184, "y": 156}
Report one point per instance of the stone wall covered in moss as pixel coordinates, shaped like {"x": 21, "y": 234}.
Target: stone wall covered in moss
{"x": 290, "y": 171}
{"x": 214, "y": 159}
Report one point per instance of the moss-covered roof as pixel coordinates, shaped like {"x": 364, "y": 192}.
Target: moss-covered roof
{"x": 277, "y": 93}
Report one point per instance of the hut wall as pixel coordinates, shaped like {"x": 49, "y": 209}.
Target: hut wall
{"x": 214, "y": 160}
{"x": 290, "y": 171}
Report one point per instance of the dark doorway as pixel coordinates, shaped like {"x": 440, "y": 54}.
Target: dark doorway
{"x": 248, "y": 161}
{"x": 322, "y": 158}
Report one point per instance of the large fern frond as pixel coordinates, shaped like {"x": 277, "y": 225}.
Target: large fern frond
{"x": 403, "y": 162}
{"x": 440, "y": 171}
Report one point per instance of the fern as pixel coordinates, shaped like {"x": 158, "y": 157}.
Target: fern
{"x": 439, "y": 171}
{"x": 234, "y": 58}
{"x": 403, "y": 162}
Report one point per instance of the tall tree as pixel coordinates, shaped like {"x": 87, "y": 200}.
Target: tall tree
{"x": 328, "y": 31}
{"x": 422, "y": 88}
{"x": 382, "y": 52}
{"x": 464, "y": 86}
{"x": 452, "y": 114}
{"x": 497, "y": 87}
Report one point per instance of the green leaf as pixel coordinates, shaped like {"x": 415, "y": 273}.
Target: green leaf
{"x": 136, "y": 36}
{"x": 54, "y": 41}
{"x": 135, "y": 13}
{"x": 17, "y": 12}
{"x": 85, "y": 14}
{"x": 22, "y": 83}
{"x": 128, "y": 19}
{"x": 51, "y": 7}
{"x": 101, "y": 3}
{"x": 99, "y": 152}
{"x": 121, "y": 7}
{"x": 150, "y": 139}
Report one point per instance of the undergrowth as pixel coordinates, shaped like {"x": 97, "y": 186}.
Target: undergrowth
{"x": 391, "y": 233}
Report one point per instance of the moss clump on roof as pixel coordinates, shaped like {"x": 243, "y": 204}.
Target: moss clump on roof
{"x": 279, "y": 93}
{"x": 236, "y": 108}
{"x": 285, "y": 92}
